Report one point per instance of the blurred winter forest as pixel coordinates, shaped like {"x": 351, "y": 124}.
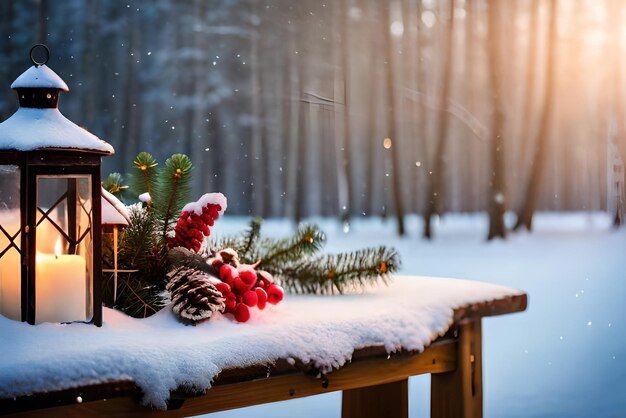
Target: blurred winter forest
{"x": 348, "y": 108}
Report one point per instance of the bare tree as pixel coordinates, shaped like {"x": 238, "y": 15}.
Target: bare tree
{"x": 347, "y": 206}
{"x": 496, "y": 202}
{"x": 42, "y": 21}
{"x": 616, "y": 12}
{"x": 391, "y": 121}
{"x": 525, "y": 214}
{"x": 531, "y": 67}
{"x": 437, "y": 181}
{"x": 372, "y": 140}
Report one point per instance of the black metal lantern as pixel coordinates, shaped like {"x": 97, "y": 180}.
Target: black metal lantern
{"x": 50, "y": 207}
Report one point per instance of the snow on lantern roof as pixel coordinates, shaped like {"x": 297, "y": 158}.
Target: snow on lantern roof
{"x": 30, "y": 129}
{"x": 114, "y": 212}
{"x": 38, "y": 77}
{"x": 38, "y": 124}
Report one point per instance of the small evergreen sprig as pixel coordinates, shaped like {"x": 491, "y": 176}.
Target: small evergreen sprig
{"x": 295, "y": 264}
{"x": 308, "y": 240}
{"x": 173, "y": 190}
{"x": 139, "y": 245}
{"x": 143, "y": 178}
{"x": 114, "y": 184}
{"x": 250, "y": 239}
{"x": 337, "y": 272}
{"x": 134, "y": 297}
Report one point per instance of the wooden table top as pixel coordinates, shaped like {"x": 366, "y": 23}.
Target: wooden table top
{"x": 122, "y": 396}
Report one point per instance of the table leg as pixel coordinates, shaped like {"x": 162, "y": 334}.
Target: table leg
{"x": 390, "y": 400}
{"x": 459, "y": 394}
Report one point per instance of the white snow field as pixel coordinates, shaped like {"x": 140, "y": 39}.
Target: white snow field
{"x": 564, "y": 357}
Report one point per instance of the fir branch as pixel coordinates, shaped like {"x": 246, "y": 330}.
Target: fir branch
{"x": 143, "y": 178}
{"x": 134, "y": 297}
{"x": 114, "y": 184}
{"x": 174, "y": 189}
{"x": 250, "y": 240}
{"x": 336, "y": 273}
{"x": 138, "y": 238}
{"x": 308, "y": 240}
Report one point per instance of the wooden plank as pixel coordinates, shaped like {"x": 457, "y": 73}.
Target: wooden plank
{"x": 459, "y": 393}
{"x": 507, "y": 305}
{"x": 438, "y": 358}
{"x": 256, "y": 374}
{"x": 390, "y": 400}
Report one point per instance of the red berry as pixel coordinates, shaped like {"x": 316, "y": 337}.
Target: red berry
{"x": 217, "y": 263}
{"x": 248, "y": 276}
{"x": 250, "y": 298}
{"x": 228, "y": 273}
{"x": 261, "y": 297}
{"x": 223, "y": 288}
{"x": 230, "y": 305}
{"x": 275, "y": 294}
{"x": 242, "y": 313}
{"x": 239, "y": 286}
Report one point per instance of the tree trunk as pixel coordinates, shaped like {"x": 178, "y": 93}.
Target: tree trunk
{"x": 525, "y": 215}
{"x": 42, "y": 20}
{"x": 421, "y": 139}
{"x": 347, "y": 202}
{"x": 496, "y": 183}
{"x": 256, "y": 156}
{"x": 396, "y": 169}
{"x": 7, "y": 106}
{"x": 531, "y": 68}
{"x": 199, "y": 132}
{"x": 436, "y": 175}
{"x": 293, "y": 140}
{"x": 372, "y": 120}
{"x": 618, "y": 109}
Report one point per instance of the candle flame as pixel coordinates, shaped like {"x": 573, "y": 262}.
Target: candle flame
{"x": 58, "y": 247}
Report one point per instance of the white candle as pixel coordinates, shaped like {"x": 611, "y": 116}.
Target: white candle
{"x": 61, "y": 285}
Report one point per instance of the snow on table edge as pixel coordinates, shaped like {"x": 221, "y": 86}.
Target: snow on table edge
{"x": 157, "y": 394}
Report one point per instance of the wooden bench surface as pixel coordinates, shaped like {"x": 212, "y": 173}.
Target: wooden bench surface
{"x": 264, "y": 383}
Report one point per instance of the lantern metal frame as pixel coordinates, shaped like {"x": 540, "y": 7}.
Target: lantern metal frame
{"x": 54, "y": 162}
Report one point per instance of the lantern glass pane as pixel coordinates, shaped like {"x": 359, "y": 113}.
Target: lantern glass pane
{"x": 64, "y": 242}
{"x": 10, "y": 266}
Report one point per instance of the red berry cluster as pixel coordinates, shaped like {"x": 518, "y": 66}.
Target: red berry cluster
{"x": 243, "y": 290}
{"x": 192, "y": 227}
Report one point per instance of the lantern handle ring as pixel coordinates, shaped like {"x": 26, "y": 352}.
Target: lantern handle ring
{"x": 32, "y": 57}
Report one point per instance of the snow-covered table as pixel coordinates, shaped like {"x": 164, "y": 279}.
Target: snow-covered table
{"x": 366, "y": 345}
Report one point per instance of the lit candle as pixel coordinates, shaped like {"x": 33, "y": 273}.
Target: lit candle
{"x": 61, "y": 287}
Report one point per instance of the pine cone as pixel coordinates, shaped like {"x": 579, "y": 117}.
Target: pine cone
{"x": 194, "y": 297}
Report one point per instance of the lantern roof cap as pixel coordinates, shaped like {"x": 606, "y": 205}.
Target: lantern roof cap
{"x": 31, "y": 129}
{"x": 39, "y": 77}
{"x": 114, "y": 212}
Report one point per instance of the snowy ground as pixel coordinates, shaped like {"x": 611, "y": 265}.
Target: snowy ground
{"x": 564, "y": 357}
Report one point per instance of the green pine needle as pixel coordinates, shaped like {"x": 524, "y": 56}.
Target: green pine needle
{"x": 173, "y": 189}
{"x": 308, "y": 240}
{"x": 249, "y": 241}
{"x": 114, "y": 184}
{"x": 143, "y": 178}
{"x": 338, "y": 273}
{"x": 134, "y": 297}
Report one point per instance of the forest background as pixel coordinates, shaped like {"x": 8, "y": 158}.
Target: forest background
{"x": 348, "y": 108}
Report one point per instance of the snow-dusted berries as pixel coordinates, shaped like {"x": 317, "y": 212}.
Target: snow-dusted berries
{"x": 195, "y": 221}
{"x": 243, "y": 286}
